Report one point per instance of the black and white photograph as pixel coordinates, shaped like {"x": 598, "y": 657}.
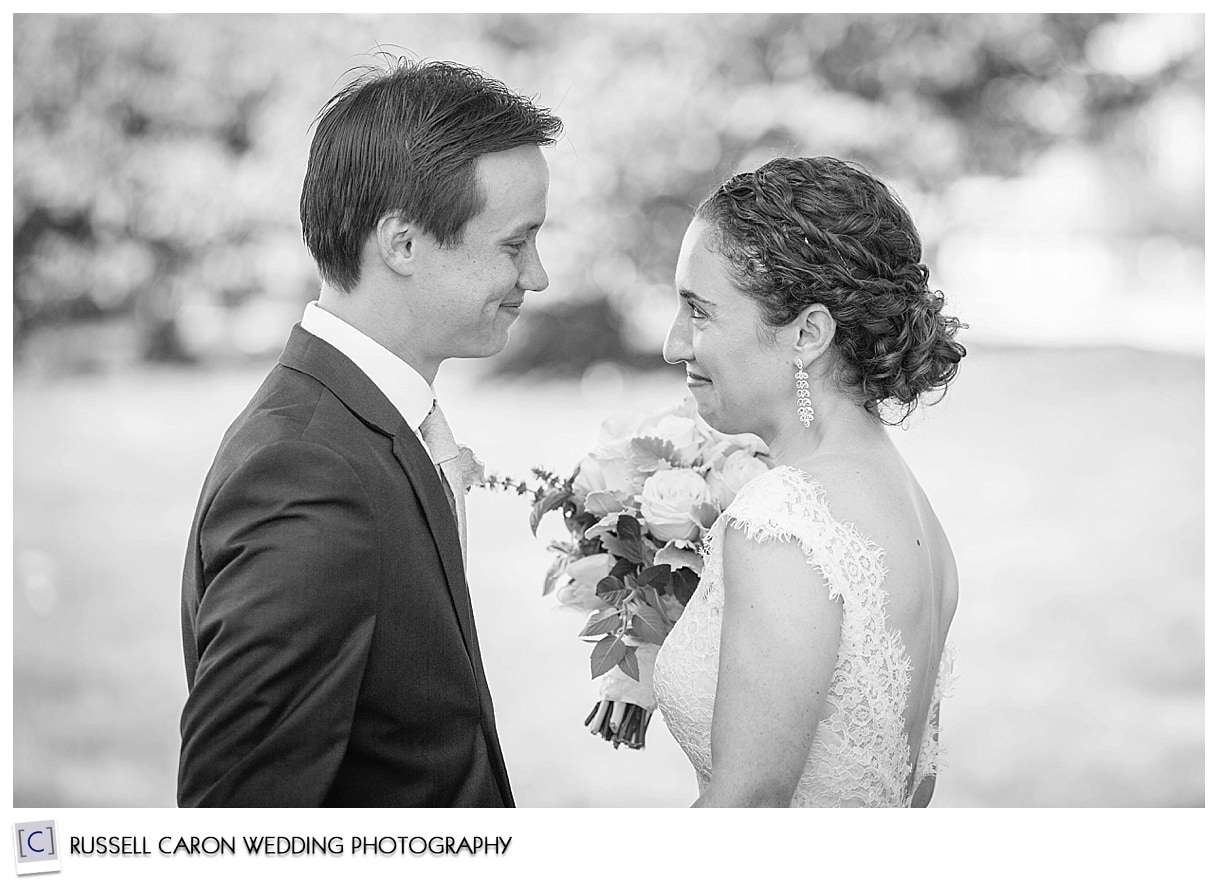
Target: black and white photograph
{"x": 594, "y": 410}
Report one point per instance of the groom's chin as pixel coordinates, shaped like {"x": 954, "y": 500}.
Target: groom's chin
{"x": 491, "y": 346}
{"x": 501, "y": 340}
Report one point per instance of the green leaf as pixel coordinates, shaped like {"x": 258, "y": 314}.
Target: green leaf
{"x": 648, "y": 625}
{"x": 611, "y": 590}
{"x": 621, "y": 550}
{"x": 684, "y": 583}
{"x": 602, "y": 623}
{"x": 676, "y": 556}
{"x": 606, "y": 654}
{"x": 648, "y": 455}
{"x": 628, "y": 528}
{"x": 629, "y": 663}
{"x": 656, "y": 576}
{"x": 652, "y": 598}
{"x": 629, "y": 542}
{"x": 603, "y": 502}
{"x": 547, "y": 503}
{"x": 601, "y": 528}
{"x": 623, "y": 568}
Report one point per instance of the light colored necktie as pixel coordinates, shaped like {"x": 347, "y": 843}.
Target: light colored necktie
{"x": 443, "y": 448}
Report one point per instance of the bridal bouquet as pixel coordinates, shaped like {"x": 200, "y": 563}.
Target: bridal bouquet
{"x": 636, "y": 510}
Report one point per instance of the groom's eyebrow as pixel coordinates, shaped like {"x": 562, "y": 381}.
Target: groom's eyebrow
{"x": 525, "y": 227}
{"x": 690, "y": 295}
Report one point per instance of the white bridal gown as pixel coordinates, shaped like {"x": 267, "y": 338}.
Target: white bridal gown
{"x": 860, "y": 755}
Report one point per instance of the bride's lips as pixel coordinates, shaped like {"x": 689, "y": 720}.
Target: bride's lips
{"x": 692, "y": 379}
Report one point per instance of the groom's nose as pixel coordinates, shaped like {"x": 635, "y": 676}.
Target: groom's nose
{"x": 533, "y": 276}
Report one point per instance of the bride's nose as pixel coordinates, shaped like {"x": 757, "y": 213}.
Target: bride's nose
{"x": 677, "y": 346}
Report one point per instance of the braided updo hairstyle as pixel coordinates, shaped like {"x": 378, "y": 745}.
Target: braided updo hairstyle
{"x": 821, "y": 230}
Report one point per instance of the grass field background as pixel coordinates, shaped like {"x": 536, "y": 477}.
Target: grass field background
{"x": 1070, "y": 483}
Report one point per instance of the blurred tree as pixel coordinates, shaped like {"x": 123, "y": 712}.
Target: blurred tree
{"x": 140, "y": 178}
{"x": 157, "y": 159}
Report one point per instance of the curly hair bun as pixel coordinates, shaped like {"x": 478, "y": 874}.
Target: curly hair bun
{"x": 914, "y": 355}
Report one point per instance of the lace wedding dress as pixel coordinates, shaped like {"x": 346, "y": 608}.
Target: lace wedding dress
{"x": 860, "y": 755}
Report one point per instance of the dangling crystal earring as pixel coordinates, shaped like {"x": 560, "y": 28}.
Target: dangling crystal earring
{"x": 802, "y": 399}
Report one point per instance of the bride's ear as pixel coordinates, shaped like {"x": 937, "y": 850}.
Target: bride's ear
{"x": 814, "y": 330}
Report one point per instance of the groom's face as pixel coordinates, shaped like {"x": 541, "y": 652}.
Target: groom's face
{"x": 475, "y": 290}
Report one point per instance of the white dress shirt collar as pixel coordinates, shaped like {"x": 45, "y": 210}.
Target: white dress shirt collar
{"x": 399, "y": 382}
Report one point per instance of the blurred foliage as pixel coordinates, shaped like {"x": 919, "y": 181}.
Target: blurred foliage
{"x": 158, "y": 159}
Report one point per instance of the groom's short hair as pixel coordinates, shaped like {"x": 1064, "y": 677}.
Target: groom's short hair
{"x": 404, "y": 139}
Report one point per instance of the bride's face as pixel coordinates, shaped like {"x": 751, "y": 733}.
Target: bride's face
{"x": 736, "y": 373}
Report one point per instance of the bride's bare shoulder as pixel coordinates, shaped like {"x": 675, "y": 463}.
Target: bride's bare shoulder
{"x": 857, "y": 489}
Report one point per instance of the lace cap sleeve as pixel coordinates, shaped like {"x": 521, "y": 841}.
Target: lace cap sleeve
{"x": 786, "y": 504}
{"x": 775, "y": 505}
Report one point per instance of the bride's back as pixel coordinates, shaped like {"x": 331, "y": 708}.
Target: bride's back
{"x": 875, "y": 491}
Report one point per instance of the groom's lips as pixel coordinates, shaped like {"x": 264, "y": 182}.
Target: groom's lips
{"x": 511, "y": 304}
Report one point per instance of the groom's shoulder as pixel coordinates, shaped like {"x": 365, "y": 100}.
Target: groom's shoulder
{"x": 293, "y": 406}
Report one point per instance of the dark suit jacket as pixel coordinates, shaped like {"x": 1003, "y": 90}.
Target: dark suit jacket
{"x": 330, "y": 647}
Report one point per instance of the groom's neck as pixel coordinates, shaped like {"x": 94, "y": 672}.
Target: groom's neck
{"x": 382, "y": 316}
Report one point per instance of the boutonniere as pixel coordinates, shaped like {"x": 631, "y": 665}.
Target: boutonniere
{"x": 469, "y": 468}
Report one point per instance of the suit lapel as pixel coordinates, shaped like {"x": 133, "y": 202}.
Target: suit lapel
{"x": 317, "y": 358}
{"x": 421, "y": 470}
{"x": 409, "y": 452}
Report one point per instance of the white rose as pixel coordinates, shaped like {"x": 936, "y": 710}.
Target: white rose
{"x": 749, "y": 443}
{"x": 619, "y": 477}
{"x": 616, "y": 432}
{"x": 607, "y": 467}
{"x": 717, "y": 446}
{"x": 681, "y": 431}
{"x": 604, "y": 475}
{"x": 585, "y": 573}
{"x": 667, "y": 499}
{"x": 737, "y": 469}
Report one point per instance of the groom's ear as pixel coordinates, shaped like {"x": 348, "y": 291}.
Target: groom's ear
{"x": 397, "y": 243}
